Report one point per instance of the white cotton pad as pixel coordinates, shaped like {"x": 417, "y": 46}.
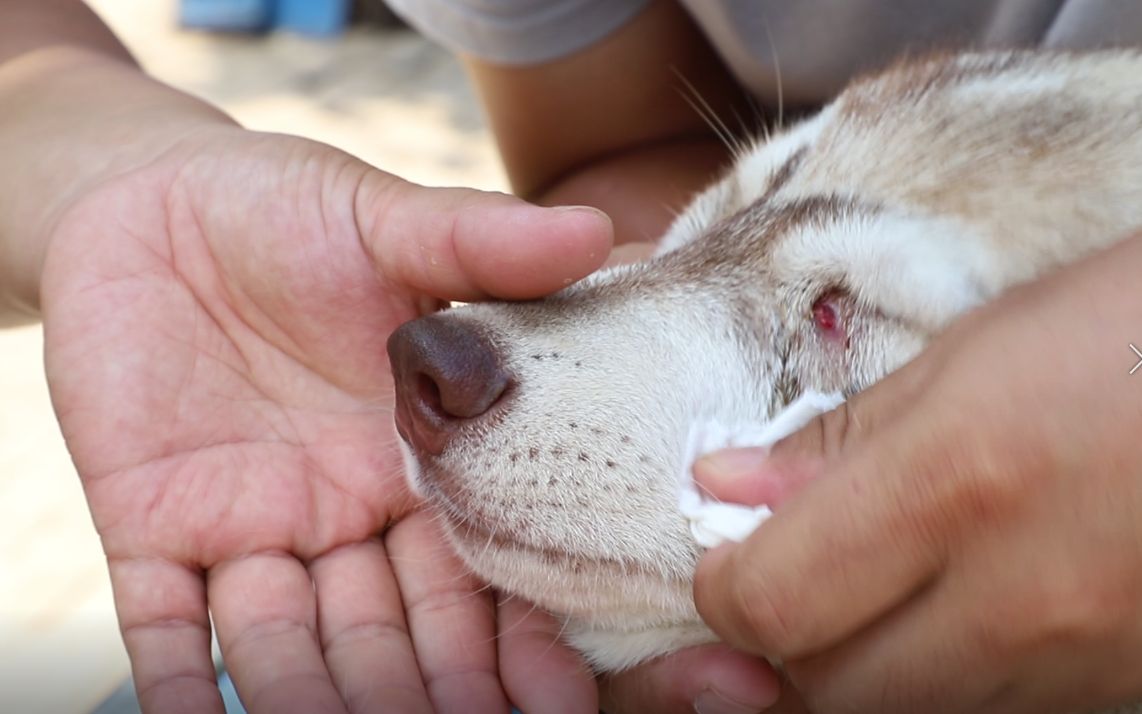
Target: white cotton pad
{"x": 713, "y": 522}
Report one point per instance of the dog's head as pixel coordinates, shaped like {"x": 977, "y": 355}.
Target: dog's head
{"x": 550, "y": 434}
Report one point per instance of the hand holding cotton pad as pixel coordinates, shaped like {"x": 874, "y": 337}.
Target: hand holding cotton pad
{"x": 713, "y": 522}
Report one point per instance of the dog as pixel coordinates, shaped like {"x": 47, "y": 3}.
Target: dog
{"x": 549, "y": 434}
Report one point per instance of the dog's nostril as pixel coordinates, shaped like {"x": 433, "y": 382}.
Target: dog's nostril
{"x": 446, "y": 371}
{"x": 428, "y": 393}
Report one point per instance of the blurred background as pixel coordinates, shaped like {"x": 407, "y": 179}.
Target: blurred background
{"x": 370, "y": 87}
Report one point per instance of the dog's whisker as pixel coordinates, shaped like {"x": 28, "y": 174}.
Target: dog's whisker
{"x": 714, "y": 125}
{"x": 776, "y": 75}
{"x": 558, "y": 637}
{"x": 702, "y": 108}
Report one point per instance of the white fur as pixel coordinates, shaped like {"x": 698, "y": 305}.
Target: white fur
{"x": 921, "y": 268}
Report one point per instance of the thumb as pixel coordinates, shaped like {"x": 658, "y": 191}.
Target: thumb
{"x": 754, "y": 477}
{"x": 463, "y": 244}
{"x": 771, "y": 476}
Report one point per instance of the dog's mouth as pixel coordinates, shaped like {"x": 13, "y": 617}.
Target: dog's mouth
{"x": 480, "y": 533}
{"x": 567, "y": 582}
{"x": 567, "y": 507}
{"x": 496, "y": 546}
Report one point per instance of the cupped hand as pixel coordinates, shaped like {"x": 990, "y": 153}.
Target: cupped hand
{"x": 215, "y": 325}
{"x": 965, "y": 536}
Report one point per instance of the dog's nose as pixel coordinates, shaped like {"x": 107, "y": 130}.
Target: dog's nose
{"x": 446, "y": 372}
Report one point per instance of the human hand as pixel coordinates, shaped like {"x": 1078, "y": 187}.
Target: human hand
{"x": 965, "y": 536}
{"x": 707, "y": 679}
{"x": 215, "y": 326}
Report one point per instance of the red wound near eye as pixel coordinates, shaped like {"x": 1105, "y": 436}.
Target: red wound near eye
{"x": 829, "y": 317}
{"x": 825, "y": 315}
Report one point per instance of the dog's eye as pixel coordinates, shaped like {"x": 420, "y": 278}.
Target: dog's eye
{"x": 827, "y": 315}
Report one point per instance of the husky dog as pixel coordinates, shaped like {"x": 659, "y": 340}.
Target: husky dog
{"x": 550, "y": 433}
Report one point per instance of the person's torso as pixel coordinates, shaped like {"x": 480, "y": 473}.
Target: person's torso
{"x": 814, "y": 47}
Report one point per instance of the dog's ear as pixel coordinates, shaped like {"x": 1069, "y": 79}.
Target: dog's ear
{"x": 921, "y": 269}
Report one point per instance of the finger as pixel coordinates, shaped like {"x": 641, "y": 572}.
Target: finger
{"x": 751, "y": 477}
{"x": 265, "y": 611}
{"x": 930, "y": 649}
{"x": 540, "y": 673}
{"x": 709, "y": 679}
{"x": 791, "y": 702}
{"x": 833, "y": 434}
{"x": 462, "y": 244}
{"x": 366, "y": 641}
{"x": 756, "y": 476}
{"x": 451, "y": 617}
{"x": 853, "y": 544}
{"x": 978, "y": 639}
{"x": 163, "y": 618}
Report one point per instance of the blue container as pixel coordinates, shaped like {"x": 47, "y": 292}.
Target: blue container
{"x": 318, "y": 18}
{"x": 227, "y": 15}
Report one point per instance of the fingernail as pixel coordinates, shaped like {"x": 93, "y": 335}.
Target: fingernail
{"x": 583, "y": 209}
{"x": 731, "y": 464}
{"x": 711, "y": 701}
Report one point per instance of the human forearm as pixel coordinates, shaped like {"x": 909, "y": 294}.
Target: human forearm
{"x": 74, "y": 110}
{"x": 642, "y": 190}
{"x": 30, "y": 25}
{"x": 615, "y": 125}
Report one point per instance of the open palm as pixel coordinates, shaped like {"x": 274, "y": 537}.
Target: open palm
{"x": 215, "y": 325}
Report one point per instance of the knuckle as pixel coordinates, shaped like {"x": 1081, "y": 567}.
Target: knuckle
{"x": 819, "y": 691}
{"x": 827, "y": 435}
{"x": 255, "y": 637}
{"x": 629, "y": 691}
{"x": 360, "y": 633}
{"x": 439, "y": 603}
{"x": 1074, "y": 611}
{"x": 958, "y": 490}
{"x": 806, "y": 441}
{"x": 836, "y": 683}
{"x": 837, "y": 429}
{"x": 991, "y": 491}
{"x": 767, "y": 613}
{"x": 1062, "y": 612}
{"x": 147, "y": 691}
{"x": 824, "y": 435}
{"x": 985, "y": 475}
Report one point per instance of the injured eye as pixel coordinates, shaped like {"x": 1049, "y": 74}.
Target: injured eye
{"x": 827, "y": 315}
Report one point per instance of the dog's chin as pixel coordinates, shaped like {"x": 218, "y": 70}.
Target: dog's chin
{"x": 614, "y": 620}
{"x": 607, "y": 592}
{"x": 616, "y": 610}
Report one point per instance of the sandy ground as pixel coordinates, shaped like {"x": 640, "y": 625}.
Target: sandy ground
{"x": 392, "y": 99}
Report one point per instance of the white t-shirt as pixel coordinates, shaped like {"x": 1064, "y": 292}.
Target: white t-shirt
{"x": 818, "y": 45}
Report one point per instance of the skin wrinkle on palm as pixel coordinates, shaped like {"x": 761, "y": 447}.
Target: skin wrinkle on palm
{"x": 58, "y": 613}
